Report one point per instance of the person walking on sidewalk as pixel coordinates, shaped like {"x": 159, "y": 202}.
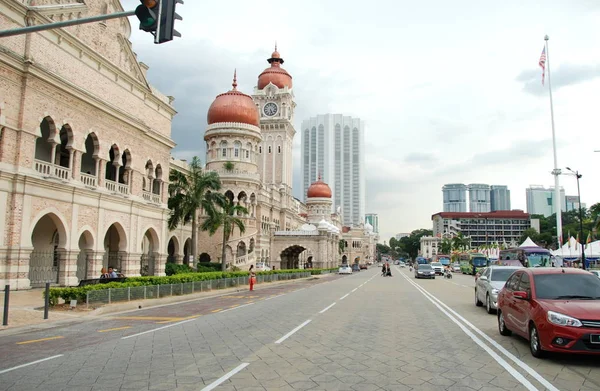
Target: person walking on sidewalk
{"x": 252, "y": 279}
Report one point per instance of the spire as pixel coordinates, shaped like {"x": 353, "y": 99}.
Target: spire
{"x": 275, "y": 45}
{"x": 234, "y": 84}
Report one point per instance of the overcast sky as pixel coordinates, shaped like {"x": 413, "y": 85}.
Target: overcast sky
{"x": 450, "y": 91}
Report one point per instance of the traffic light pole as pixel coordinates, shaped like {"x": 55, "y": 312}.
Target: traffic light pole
{"x": 67, "y": 23}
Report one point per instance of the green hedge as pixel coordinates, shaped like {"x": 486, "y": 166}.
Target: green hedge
{"x": 80, "y": 293}
{"x": 173, "y": 268}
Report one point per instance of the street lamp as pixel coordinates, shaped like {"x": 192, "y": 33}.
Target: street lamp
{"x": 578, "y": 176}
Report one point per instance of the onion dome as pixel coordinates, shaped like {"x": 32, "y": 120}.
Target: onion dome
{"x": 275, "y": 73}
{"x": 233, "y": 106}
{"x": 323, "y": 226}
{"x": 319, "y": 189}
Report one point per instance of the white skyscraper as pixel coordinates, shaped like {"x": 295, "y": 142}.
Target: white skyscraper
{"x": 541, "y": 200}
{"x": 333, "y": 147}
{"x": 479, "y": 198}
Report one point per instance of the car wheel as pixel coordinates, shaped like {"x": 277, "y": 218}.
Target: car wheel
{"x": 535, "y": 346}
{"x": 502, "y": 326}
{"x": 488, "y": 304}
{"x": 478, "y": 303}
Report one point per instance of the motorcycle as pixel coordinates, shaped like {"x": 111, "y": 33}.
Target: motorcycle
{"x": 447, "y": 274}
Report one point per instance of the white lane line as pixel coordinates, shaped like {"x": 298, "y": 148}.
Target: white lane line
{"x": 274, "y": 297}
{"x": 495, "y": 344}
{"x": 513, "y": 372}
{"x": 226, "y": 376}
{"x": 354, "y": 290}
{"x": 29, "y": 363}
{"x": 297, "y": 290}
{"x": 235, "y": 308}
{"x": 280, "y": 340}
{"x": 343, "y": 297}
{"x": 325, "y": 309}
{"x": 159, "y": 328}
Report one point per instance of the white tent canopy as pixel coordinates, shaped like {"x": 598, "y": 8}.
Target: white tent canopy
{"x": 572, "y": 250}
{"x": 528, "y": 243}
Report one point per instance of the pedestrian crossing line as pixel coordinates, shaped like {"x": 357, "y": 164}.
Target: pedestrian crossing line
{"x": 114, "y": 329}
{"x": 39, "y": 340}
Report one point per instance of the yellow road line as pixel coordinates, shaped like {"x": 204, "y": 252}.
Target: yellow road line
{"x": 170, "y": 319}
{"x": 217, "y": 310}
{"x": 38, "y": 340}
{"x": 233, "y": 306}
{"x": 114, "y": 329}
{"x": 186, "y": 318}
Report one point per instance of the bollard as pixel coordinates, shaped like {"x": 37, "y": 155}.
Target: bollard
{"x": 6, "y": 294}
{"x": 46, "y": 300}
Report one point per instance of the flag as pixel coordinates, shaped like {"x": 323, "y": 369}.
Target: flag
{"x": 543, "y": 64}
{"x": 569, "y": 238}
{"x": 560, "y": 241}
{"x": 577, "y": 238}
{"x": 589, "y": 238}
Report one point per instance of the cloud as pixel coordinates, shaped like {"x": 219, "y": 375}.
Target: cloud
{"x": 565, "y": 75}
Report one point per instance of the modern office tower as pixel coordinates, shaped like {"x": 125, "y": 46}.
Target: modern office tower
{"x": 479, "y": 198}
{"x": 500, "y": 198}
{"x": 373, "y": 219}
{"x": 455, "y": 197}
{"x": 572, "y": 203}
{"x": 540, "y": 200}
{"x": 333, "y": 148}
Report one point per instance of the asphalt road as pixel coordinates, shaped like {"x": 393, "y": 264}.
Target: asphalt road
{"x": 356, "y": 332}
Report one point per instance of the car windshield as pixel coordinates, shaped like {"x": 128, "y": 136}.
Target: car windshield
{"x": 501, "y": 274}
{"x": 538, "y": 259}
{"x": 425, "y": 267}
{"x": 436, "y": 264}
{"x": 567, "y": 286}
{"x": 479, "y": 261}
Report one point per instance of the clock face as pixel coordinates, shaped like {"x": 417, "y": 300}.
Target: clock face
{"x": 270, "y": 109}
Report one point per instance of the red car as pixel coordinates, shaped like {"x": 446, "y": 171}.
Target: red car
{"x": 556, "y": 309}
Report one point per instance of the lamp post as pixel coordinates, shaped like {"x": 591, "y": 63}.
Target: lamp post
{"x": 578, "y": 176}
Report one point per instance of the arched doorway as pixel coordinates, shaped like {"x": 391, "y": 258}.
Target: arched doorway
{"x": 173, "y": 250}
{"x": 241, "y": 252}
{"x": 356, "y": 260}
{"x": 290, "y": 257}
{"x": 308, "y": 264}
{"x": 344, "y": 260}
{"x": 47, "y": 258}
{"x": 114, "y": 246}
{"x": 86, "y": 244}
{"x": 149, "y": 250}
{"x": 204, "y": 258}
{"x": 187, "y": 251}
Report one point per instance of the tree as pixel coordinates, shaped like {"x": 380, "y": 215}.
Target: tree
{"x": 461, "y": 242}
{"x": 412, "y": 243}
{"x": 226, "y": 219}
{"x": 529, "y": 233}
{"x": 188, "y": 193}
{"x": 446, "y": 246}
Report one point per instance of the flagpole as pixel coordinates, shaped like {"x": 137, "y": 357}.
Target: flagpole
{"x": 556, "y": 172}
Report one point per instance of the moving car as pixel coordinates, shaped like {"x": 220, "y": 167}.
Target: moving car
{"x": 556, "y": 309}
{"x": 456, "y": 268}
{"x": 402, "y": 264}
{"x": 345, "y": 269}
{"x": 363, "y": 266}
{"x": 490, "y": 283}
{"x": 355, "y": 267}
{"x": 596, "y": 273}
{"x": 438, "y": 268}
{"x": 424, "y": 271}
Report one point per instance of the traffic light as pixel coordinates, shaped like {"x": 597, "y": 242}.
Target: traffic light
{"x": 166, "y": 23}
{"x": 147, "y": 13}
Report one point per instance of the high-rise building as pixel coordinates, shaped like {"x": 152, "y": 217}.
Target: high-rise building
{"x": 455, "y": 197}
{"x": 402, "y": 235}
{"x": 373, "y": 219}
{"x": 541, "y": 200}
{"x": 572, "y": 203}
{"x": 500, "y": 198}
{"x": 479, "y": 198}
{"x": 333, "y": 148}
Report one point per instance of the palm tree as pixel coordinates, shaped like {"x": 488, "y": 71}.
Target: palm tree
{"x": 190, "y": 192}
{"x": 226, "y": 219}
{"x": 446, "y": 246}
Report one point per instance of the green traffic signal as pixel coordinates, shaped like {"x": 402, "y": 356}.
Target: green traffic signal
{"x": 146, "y": 17}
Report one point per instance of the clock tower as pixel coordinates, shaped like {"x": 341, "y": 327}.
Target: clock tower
{"x": 274, "y": 99}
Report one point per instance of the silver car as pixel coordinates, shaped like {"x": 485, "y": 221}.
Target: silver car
{"x": 489, "y": 283}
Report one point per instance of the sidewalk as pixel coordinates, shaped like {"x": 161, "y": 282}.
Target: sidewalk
{"x": 26, "y": 308}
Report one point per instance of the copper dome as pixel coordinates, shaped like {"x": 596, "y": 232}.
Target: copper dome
{"x": 233, "y": 106}
{"x": 275, "y": 73}
{"x": 319, "y": 189}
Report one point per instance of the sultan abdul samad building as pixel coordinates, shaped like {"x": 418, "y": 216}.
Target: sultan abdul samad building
{"x": 85, "y": 154}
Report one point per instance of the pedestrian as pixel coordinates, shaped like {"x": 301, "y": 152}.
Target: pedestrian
{"x": 252, "y": 279}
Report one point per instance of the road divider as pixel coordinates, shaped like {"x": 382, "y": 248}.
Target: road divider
{"x": 457, "y": 318}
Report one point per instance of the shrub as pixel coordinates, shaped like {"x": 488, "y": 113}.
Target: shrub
{"x": 204, "y": 267}
{"x": 173, "y": 268}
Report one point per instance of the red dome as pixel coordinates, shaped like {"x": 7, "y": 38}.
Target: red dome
{"x": 275, "y": 73}
{"x": 319, "y": 189}
{"x": 233, "y": 106}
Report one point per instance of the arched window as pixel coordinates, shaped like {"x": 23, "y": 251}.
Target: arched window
{"x": 269, "y": 149}
{"x": 279, "y": 149}
{"x": 248, "y": 149}
{"x": 236, "y": 149}
{"x": 223, "y": 148}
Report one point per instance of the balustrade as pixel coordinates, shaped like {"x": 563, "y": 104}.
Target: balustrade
{"x": 88, "y": 180}
{"x": 116, "y": 187}
{"x": 52, "y": 170}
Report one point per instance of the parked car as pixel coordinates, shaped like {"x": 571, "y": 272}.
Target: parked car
{"x": 345, "y": 269}
{"x": 424, "y": 271}
{"x": 355, "y": 267}
{"x": 596, "y": 273}
{"x": 490, "y": 283}
{"x": 456, "y": 268}
{"x": 262, "y": 267}
{"x": 438, "y": 268}
{"x": 363, "y": 266}
{"x": 556, "y": 309}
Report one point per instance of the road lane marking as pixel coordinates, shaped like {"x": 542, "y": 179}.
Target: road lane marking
{"x": 280, "y": 340}
{"x": 301, "y": 289}
{"x": 508, "y": 354}
{"x": 233, "y": 306}
{"x": 325, "y": 309}
{"x": 226, "y": 376}
{"x": 187, "y": 317}
{"x": 273, "y": 297}
{"x": 39, "y": 340}
{"x": 237, "y": 306}
{"x": 114, "y": 329}
{"x": 354, "y": 290}
{"x": 217, "y": 310}
{"x": 29, "y": 363}
{"x": 158, "y": 318}
{"x": 158, "y": 328}
{"x": 343, "y": 297}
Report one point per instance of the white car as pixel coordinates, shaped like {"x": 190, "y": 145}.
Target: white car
{"x": 261, "y": 267}
{"x": 438, "y": 268}
{"x": 596, "y": 273}
{"x": 345, "y": 269}
{"x": 402, "y": 264}
{"x": 456, "y": 268}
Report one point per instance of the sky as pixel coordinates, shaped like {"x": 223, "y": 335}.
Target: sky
{"x": 451, "y": 92}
